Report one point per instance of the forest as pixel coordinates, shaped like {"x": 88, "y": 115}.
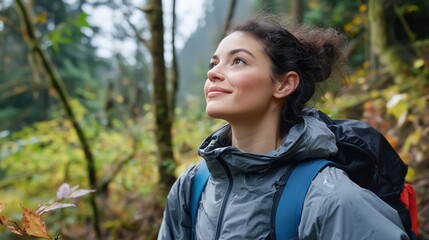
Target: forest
{"x": 102, "y": 108}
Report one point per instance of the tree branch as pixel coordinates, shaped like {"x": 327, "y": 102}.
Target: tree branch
{"x": 117, "y": 169}
{"x": 54, "y": 77}
{"x": 229, "y": 16}
{"x": 138, "y": 34}
{"x": 377, "y": 27}
{"x": 174, "y": 67}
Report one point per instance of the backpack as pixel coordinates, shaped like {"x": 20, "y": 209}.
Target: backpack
{"x": 363, "y": 153}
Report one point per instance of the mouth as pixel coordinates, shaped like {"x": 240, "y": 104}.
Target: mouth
{"x": 216, "y": 91}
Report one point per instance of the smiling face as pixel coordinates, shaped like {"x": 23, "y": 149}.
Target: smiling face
{"x": 239, "y": 86}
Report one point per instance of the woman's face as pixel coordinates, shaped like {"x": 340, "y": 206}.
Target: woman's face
{"x": 239, "y": 86}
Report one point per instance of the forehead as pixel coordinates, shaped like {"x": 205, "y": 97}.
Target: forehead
{"x": 240, "y": 40}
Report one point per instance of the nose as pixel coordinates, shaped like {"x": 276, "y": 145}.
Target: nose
{"x": 215, "y": 74}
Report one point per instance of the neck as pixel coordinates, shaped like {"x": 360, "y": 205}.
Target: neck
{"x": 256, "y": 138}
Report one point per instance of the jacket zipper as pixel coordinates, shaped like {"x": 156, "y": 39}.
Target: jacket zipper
{"x": 228, "y": 192}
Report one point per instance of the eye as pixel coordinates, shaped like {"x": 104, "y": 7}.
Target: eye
{"x": 238, "y": 61}
{"x": 212, "y": 65}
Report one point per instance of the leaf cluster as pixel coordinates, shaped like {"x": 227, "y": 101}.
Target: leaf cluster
{"x": 32, "y": 223}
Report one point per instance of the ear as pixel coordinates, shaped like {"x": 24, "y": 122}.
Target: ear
{"x": 286, "y": 85}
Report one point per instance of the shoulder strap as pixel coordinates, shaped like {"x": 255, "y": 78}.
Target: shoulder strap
{"x": 200, "y": 180}
{"x": 290, "y": 201}
{"x": 290, "y": 197}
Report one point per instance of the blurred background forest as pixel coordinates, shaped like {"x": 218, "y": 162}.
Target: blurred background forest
{"x": 107, "y": 95}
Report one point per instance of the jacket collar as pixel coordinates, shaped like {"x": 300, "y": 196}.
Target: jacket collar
{"x": 308, "y": 139}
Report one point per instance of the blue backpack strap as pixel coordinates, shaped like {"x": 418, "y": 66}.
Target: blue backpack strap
{"x": 289, "y": 209}
{"x": 413, "y": 236}
{"x": 200, "y": 180}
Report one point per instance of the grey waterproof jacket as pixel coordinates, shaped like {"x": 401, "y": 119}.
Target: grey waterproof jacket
{"x": 237, "y": 201}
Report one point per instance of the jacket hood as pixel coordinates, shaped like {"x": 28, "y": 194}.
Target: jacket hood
{"x": 308, "y": 139}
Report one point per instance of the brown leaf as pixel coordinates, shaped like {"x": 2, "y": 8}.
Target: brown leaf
{"x": 33, "y": 225}
{"x": 13, "y": 229}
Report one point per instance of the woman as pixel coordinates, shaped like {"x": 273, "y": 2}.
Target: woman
{"x": 259, "y": 80}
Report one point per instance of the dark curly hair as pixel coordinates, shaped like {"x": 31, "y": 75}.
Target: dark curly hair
{"x": 310, "y": 52}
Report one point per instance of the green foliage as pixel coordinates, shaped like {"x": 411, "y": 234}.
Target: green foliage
{"x": 348, "y": 17}
{"x": 64, "y": 30}
{"x": 8, "y": 113}
{"x": 64, "y": 33}
{"x": 188, "y": 135}
{"x": 38, "y": 158}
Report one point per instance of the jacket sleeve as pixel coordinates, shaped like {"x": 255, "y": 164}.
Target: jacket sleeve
{"x": 337, "y": 208}
{"x": 176, "y": 223}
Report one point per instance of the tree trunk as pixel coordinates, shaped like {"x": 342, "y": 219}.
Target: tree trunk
{"x": 174, "y": 65}
{"x": 163, "y": 121}
{"x": 109, "y": 106}
{"x": 379, "y": 42}
{"x": 296, "y": 11}
{"x": 141, "y": 79}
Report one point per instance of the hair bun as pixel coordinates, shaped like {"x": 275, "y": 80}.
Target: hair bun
{"x": 326, "y": 44}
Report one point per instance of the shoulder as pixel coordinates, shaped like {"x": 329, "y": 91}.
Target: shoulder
{"x": 177, "y": 219}
{"x": 336, "y": 191}
{"x": 336, "y": 206}
{"x": 334, "y": 181}
{"x": 179, "y": 196}
{"x": 332, "y": 190}
{"x": 182, "y": 186}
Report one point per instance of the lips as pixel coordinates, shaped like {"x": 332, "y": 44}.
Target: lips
{"x": 216, "y": 91}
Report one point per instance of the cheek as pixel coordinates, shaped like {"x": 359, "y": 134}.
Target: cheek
{"x": 254, "y": 83}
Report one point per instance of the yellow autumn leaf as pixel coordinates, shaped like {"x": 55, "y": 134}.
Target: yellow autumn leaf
{"x": 397, "y": 105}
{"x": 362, "y": 8}
{"x": 33, "y": 225}
{"x": 410, "y": 175}
{"x": 412, "y": 8}
{"x": 40, "y": 19}
{"x": 357, "y": 20}
{"x": 418, "y": 63}
{"x": 348, "y": 27}
{"x": 413, "y": 139}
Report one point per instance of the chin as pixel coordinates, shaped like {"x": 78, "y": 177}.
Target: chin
{"x": 212, "y": 114}
{"x": 215, "y": 113}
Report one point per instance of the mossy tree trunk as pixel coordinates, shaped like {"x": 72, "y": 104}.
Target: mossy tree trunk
{"x": 163, "y": 102}
{"x": 162, "y": 110}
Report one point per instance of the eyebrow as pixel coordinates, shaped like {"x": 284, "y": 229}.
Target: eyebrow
{"x": 234, "y": 51}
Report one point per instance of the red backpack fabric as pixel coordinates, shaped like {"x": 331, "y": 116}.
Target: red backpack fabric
{"x": 408, "y": 198}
